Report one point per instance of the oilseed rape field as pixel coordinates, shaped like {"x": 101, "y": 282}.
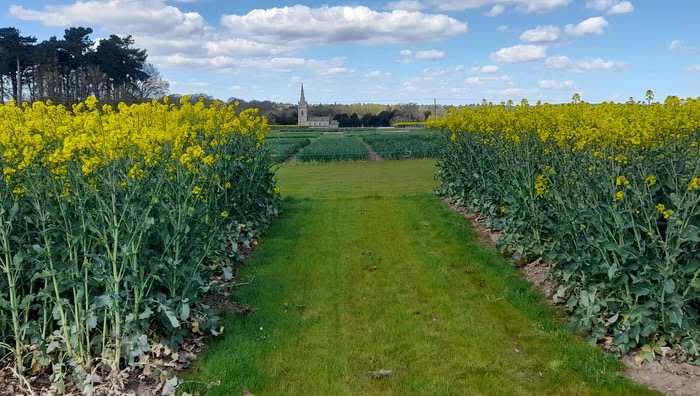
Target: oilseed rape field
{"x": 609, "y": 194}
{"x": 112, "y": 220}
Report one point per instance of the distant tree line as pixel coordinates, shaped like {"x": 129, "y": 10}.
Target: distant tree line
{"x": 69, "y": 69}
{"x": 348, "y": 115}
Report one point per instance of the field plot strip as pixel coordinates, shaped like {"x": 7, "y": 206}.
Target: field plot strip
{"x": 368, "y": 285}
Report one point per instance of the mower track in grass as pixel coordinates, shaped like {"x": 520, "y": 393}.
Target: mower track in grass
{"x": 368, "y": 284}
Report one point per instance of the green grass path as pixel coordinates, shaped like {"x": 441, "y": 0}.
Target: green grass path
{"x": 367, "y": 270}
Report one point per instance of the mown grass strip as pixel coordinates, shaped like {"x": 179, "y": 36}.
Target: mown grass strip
{"x": 366, "y": 271}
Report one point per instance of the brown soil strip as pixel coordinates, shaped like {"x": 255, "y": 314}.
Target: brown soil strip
{"x": 371, "y": 154}
{"x": 293, "y": 159}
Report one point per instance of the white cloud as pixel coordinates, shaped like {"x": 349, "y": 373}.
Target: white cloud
{"x": 441, "y": 72}
{"x": 430, "y": 54}
{"x": 237, "y": 47}
{"x": 541, "y": 34}
{"x": 327, "y": 25}
{"x": 406, "y": 52}
{"x": 496, "y": 10}
{"x": 502, "y": 28}
{"x": 332, "y": 71}
{"x": 526, "y": 6}
{"x": 564, "y": 63}
{"x": 405, "y": 5}
{"x": 373, "y": 74}
{"x": 624, "y": 7}
{"x": 488, "y": 69}
{"x": 119, "y": 16}
{"x": 681, "y": 46}
{"x": 589, "y": 27}
{"x": 553, "y": 84}
{"x": 611, "y": 6}
{"x": 519, "y": 53}
{"x": 474, "y": 80}
{"x": 694, "y": 69}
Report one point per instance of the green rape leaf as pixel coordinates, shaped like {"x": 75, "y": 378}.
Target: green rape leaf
{"x": 147, "y": 313}
{"x": 676, "y": 316}
{"x": 669, "y": 286}
{"x": 170, "y": 314}
{"x": 185, "y": 311}
{"x": 91, "y": 320}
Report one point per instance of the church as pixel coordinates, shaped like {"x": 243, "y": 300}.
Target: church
{"x": 313, "y": 122}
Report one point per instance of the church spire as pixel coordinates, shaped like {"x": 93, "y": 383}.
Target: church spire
{"x": 302, "y": 101}
{"x": 303, "y": 115}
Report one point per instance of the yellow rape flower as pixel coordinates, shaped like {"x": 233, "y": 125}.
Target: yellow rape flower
{"x": 196, "y": 191}
{"x": 661, "y": 208}
{"x": 135, "y": 172}
{"x": 650, "y": 180}
{"x": 694, "y": 184}
{"x": 619, "y": 195}
{"x": 541, "y": 185}
{"x": 622, "y": 181}
{"x": 18, "y": 191}
{"x": 622, "y": 159}
{"x": 227, "y": 185}
{"x": 208, "y": 160}
{"x": 224, "y": 214}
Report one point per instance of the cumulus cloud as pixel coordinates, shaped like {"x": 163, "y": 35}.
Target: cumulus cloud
{"x": 526, "y": 6}
{"x": 559, "y": 85}
{"x": 624, "y": 7}
{"x": 474, "y": 80}
{"x": 406, "y": 52}
{"x": 121, "y": 16}
{"x": 496, "y": 10}
{"x": 519, "y": 53}
{"x": 332, "y": 71}
{"x": 328, "y": 25}
{"x": 611, "y": 6}
{"x": 579, "y": 66}
{"x": 681, "y": 46}
{"x": 541, "y": 34}
{"x": 488, "y": 69}
{"x": 590, "y": 27}
{"x": 239, "y": 47}
{"x": 267, "y": 39}
{"x": 430, "y": 54}
{"x": 405, "y": 5}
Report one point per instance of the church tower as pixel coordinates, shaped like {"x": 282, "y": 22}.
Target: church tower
{"x": 303, "y": 116}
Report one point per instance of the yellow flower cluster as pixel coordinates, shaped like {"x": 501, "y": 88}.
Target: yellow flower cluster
{"x": 580, "y": 125}
{"x": 663, "y": 211}
{"x": 541, "y": 185}
{"x": 52, "y": 136}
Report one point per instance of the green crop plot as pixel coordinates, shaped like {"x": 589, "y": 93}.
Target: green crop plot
{"x": 403, "y": 145}
{"x": 283, "y": 148}
{"x": 334, "y": 148}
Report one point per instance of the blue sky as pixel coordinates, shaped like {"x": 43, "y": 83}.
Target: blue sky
{"x": 394, "y": 51}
